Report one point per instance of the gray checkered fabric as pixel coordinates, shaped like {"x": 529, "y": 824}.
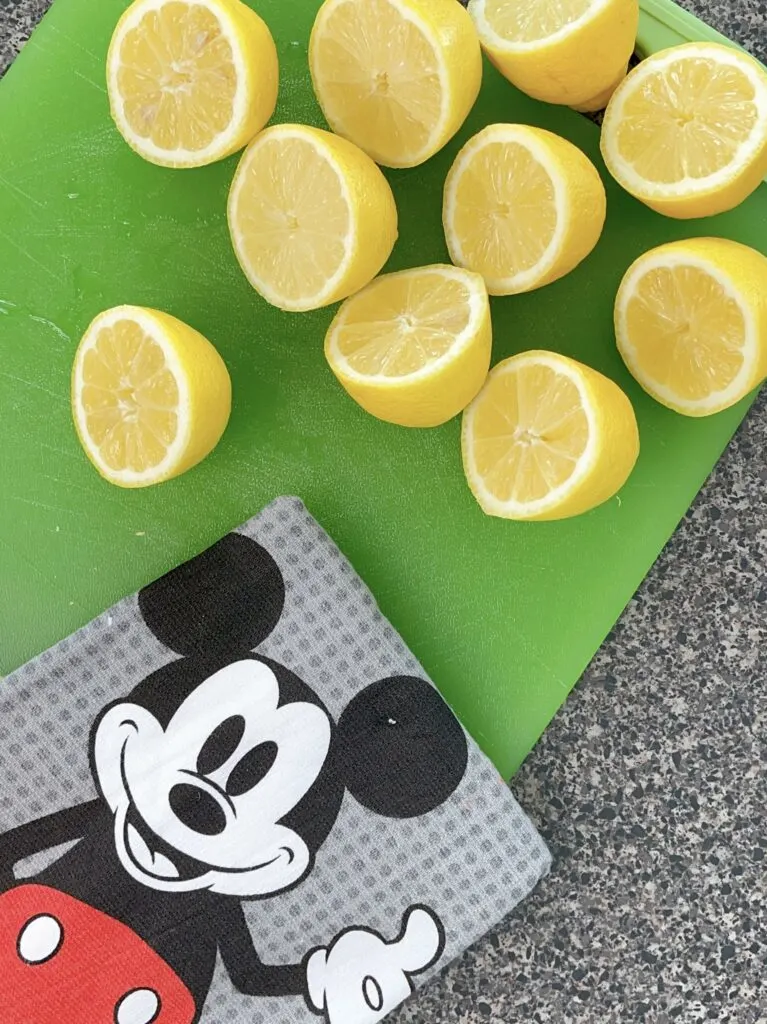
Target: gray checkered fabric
{"x": 472, "y": 859}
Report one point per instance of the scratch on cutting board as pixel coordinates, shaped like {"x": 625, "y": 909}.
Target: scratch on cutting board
{"x": 86, "y": 490}
{"x": 86, "y": 144}
{"x": 6, "y": 306}
{"x": 531, "y": 653}
{"x": 74, "y": 42}
{"x": 60, "y": 451}
{"x": 23, "y": 558}
{"x": 49, "y": 323}
{"x": 50, "y": 508}
{"x": 33, "y": 44}
{"x": 90, "y": 81}
{"x": 94, "y": 146}
{"x": 104, "y": 497}
{"x": 37, "y": 387}
{"x": 21, "y": 192}
{"x": 68, "y": 483}
{"x": 30, "y": 257}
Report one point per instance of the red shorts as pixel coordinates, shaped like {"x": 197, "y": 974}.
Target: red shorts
{"x": 62, "y": 962}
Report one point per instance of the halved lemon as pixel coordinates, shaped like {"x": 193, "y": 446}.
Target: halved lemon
{"x": 547, "y": 438}
{"x": 522, "y": 207}
{"x": 573, "y": 51}
{"x": 686, "y": 132}
{"x": 150, "y": 396}
{"x": 414, "y": 347}
{"x": 397, "y": 77}
{"x": 191, "y": 81}
{"x": 691, "y": 323}
{"x": 312, "y": 218}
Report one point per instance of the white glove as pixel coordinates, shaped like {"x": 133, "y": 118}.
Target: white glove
{"x": 361, "y": 977}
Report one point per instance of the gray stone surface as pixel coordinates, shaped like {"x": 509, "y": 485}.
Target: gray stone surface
{"x": 650, "y": 784}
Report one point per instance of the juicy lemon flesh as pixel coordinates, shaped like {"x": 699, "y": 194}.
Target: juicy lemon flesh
{"x": 505, "y": 210}
{"x": 688, "y": 332}
{"x": 292, "y": 217}
{"x": 532, "y": 20}
{"x": 129, "y": 398}
{"x": 687, "y": 120}
{"x": 177, "y": 77}
{"x": 529, "y": 431}
{"x": 380, "y": 77}
{"x": 400, "y": 325}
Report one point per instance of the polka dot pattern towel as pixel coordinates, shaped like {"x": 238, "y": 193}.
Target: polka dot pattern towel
{"x": 237, "y": 797}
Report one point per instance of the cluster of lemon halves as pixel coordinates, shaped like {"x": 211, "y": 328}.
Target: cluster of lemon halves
{"x": 313, "y": 220}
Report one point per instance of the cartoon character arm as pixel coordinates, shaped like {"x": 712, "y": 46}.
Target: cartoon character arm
{"x": 247, "y": 972}
{"x": 45, "y": 834}
{"x": 360, "y": 977}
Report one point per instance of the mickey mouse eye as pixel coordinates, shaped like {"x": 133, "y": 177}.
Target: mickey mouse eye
{"x": 251, "y": 768}
{"x": 221, "y": 744}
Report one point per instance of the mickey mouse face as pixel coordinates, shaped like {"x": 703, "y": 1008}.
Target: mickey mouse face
{"x": 199, "y": 803}
{"x": 223, "y": 770}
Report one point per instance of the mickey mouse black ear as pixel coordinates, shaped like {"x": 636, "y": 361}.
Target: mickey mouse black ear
{"x": 402, "y": 749}
{"x": 227, "y": 599}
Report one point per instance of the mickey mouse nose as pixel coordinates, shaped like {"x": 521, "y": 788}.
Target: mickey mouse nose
{"x": 197, "y": 809}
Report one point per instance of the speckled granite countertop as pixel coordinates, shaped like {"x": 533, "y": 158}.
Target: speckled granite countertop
{"x": 650, "y": 785}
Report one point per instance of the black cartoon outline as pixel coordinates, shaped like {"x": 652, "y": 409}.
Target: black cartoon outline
{"x": 396, "y": 748}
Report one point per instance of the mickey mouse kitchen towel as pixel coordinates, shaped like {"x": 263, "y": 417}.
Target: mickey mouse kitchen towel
{"x": 237, "y": 797}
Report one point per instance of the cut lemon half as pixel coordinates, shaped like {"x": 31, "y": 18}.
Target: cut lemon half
{"x": 397, "y": 77}
{"x": 547, "y": 438}
{"x": 150, "y": 396}
{"x": 312, "y": 218}
{"x": 686, "y": 132}
{"x": 190, "y": 81}
{"x": 573, "y": 51}
{"x": 691, "y": 323}
{"x": 522, "y": 207}
{"x": 414, "y": 347}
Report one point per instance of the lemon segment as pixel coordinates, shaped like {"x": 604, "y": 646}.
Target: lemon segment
{"x": 396, "y": 77}
{"x": 522, "y": 207}
{"x": 191, "y": 81}
{"x": 547, "y": 438}
{"x": 572, "y": 52}
{"x": 150, "y": 396}
{"x": 312, "y": 218}
{"x": 686, "y": 131}
{"x": 691, "y": 323}
{"x": 413, "y": 347}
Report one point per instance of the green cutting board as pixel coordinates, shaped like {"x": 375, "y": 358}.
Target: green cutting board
{"x": 504, "y": 616}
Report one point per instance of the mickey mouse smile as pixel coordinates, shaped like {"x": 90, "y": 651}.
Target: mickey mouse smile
{"x": 160, "y": 860}
{"x": 157, "y": 858}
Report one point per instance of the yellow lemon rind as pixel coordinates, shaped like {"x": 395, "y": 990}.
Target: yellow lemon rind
{"x": 451, "y": 35}
{"x": 373, "y": 216}
{"x": 579, "y": 195}
{"x": 204, "y": 389}
{"x": 603, "y": 467}
{"x": 745, "y": 282}
{"x": 692, "y": 197}
{"x": 576, "y": 66}
{"x": 436, "y": 392}
{"x": 254, "y": 55}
